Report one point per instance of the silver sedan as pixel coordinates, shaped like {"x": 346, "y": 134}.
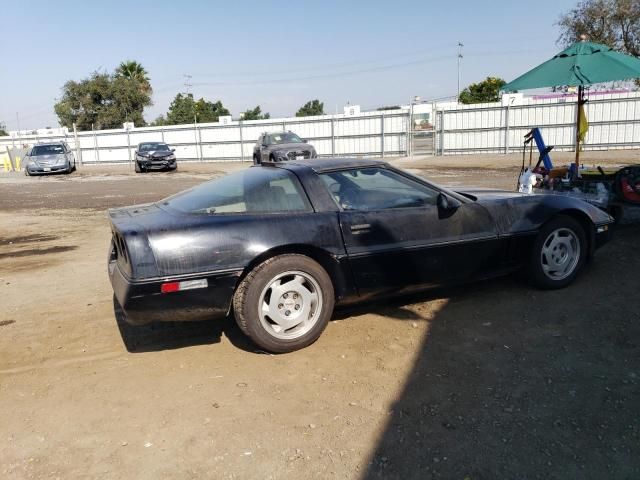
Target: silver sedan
{"x": 46, "y": 158}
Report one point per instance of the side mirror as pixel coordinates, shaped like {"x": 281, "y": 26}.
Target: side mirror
{"x": 304, "y": 140}
{"x": 447, "y": 205}
{"x": 173, "y": 149}
{"x": 135, "y": 152}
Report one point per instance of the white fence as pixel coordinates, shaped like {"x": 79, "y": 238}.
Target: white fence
{"x": 366, "y": 134}
{"x": 614, "y": 120}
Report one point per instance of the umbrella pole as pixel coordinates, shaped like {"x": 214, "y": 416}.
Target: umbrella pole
{"x": 580, "y": 103}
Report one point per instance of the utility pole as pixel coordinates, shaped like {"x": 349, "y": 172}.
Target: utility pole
{"x": 18, "y": 120}
{"x": 460, "y": 45}
{"x": 187, "y": 83}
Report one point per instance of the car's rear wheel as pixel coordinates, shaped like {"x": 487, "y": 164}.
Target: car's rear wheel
{"x": 559, "y": 253}
{"x": 284, "y": 303}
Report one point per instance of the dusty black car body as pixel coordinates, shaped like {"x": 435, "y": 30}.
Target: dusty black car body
{"x": 467, "y": 235}
{"x": 281, "y": 147}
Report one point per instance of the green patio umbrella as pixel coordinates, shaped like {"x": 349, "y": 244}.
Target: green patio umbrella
{"x": 583, "y": 63}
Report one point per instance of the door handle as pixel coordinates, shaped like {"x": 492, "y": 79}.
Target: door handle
{"x": 360, "y": 228}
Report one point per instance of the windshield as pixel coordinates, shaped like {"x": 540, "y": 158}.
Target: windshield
{"x": 153, "y": 147}
{"x": 254, "y": 190}
{"x": 47, "y": 150}
{"x": 285, "y": 137}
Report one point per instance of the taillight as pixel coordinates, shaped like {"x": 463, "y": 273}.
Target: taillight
{"x": 171, "y": 287}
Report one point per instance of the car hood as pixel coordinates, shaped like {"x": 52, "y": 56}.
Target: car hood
{"x": 291, "y": 146}
{"x": 155, "y": 154}
{"x": 489, "y": 194}
{"x": 49, "y": 159}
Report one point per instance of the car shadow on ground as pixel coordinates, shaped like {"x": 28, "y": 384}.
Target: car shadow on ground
{"x": 513, "y": 382}
{"x": 172, "y": 335}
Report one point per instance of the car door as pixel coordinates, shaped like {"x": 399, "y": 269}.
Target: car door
{"x": 397, "y": 237}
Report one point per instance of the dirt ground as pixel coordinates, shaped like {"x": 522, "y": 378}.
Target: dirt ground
{"x": 485, "y": 381}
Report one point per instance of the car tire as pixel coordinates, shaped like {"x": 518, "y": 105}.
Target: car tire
{"x": 137, "y": 168}
{"x": 298, "y": 313}
{"x": 559, "y": 252}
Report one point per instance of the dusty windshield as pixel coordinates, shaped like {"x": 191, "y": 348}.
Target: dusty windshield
{"x": 47, "y": 150}
{"x": 287, "y": 137}
{"x": 153, "y": 147}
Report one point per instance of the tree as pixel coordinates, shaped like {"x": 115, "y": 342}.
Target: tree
{"x": 254, "y": 114}
{"x": 185, "y": 109}
{"x": 159, "y": 121}
{"x": 482, "y": 92}
{"x": 312, "y": 107}
{"x": 102, "y": 101}
{"x": 3, "y": 131}
{"x": 134, "y": 71}
{"x": 615, "y": 23}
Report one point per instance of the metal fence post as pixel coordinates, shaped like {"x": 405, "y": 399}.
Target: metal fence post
{"x": 78, "y": 149}
{"x": 284, "y": 126}
{"x": 382, "y": 133}
{"x": 441, "y": 132}
{"x": 200, "y": 140}
{"x": 241, "y": 142}
{"x": 409, "y": 130}
{"x": 506, "y": 130}
{"x": 162, "y": 134}
{"x": 129, "y": 147}
{"x": 333, "y": 136}
{"x": 95, "y": 145}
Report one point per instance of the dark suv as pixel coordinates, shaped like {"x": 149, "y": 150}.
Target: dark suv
{"x": 155, "y": 156}
{"x": 280, "y": 147}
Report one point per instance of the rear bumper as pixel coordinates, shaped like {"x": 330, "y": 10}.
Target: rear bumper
{"x": 143, "y": 302}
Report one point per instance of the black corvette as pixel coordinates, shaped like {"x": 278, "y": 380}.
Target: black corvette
{"x": 280, "y": 243}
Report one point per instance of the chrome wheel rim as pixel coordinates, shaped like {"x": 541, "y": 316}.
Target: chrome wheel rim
{"x": 290, "y": 305}
{"x": 560, "y": 254}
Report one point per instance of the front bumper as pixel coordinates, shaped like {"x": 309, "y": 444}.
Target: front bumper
{"x": 142, "y": 301}
{"x": 154, "y": 164}
{"x": 42, "y": 170}
{"x": 603, "y": 234}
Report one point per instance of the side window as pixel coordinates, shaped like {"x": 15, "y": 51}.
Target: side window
{"x": 255, "y": 190}
{"x": 377, "y": 189}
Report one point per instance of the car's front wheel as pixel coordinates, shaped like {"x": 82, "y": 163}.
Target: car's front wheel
{"x": 284, "y": 303}
{"x": 137, "y": 168}
{"x": 559, "y": 252}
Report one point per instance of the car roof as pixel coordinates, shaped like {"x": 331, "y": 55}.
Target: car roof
{"x": 61, "y": 142}
{"x": 325, "y": 164}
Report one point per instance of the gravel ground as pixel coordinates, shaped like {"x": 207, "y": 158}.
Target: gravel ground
{"x": 485, "y": 381}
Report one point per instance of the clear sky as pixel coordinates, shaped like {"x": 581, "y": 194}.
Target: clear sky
{"x": 276, "y": 54}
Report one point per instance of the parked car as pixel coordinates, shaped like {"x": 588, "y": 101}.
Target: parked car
{"x": 155, "y": 156}
{"x": 53, "y": 157}
{"x": 281, "y": 147}
{"x": 280, "y": 244}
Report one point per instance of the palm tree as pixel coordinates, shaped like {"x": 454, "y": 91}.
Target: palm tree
{"x": 134, "y": 71}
